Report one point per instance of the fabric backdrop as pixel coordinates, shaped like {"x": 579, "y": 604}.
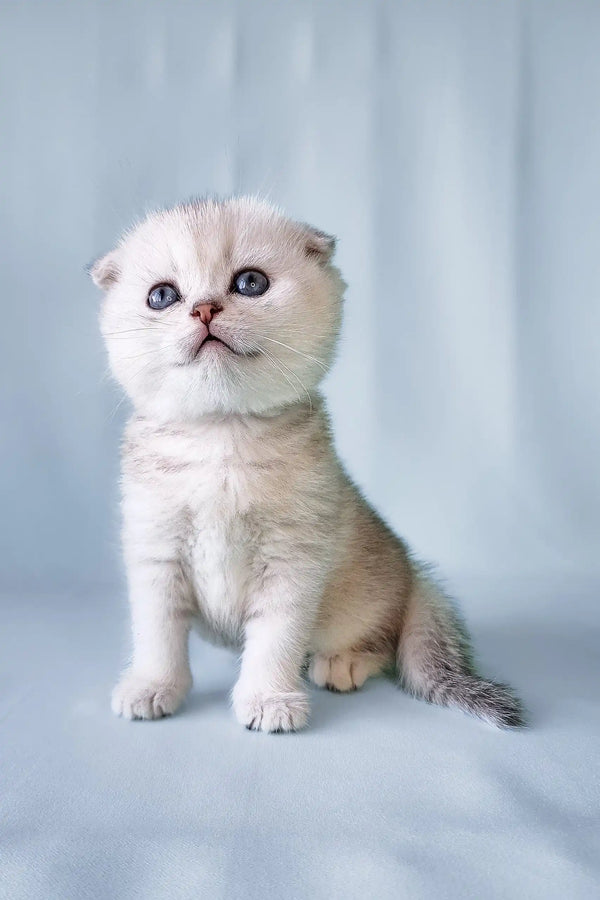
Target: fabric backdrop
{"x": 454, "y": 149}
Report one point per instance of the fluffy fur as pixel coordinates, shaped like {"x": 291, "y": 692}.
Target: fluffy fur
{"x": 238, "y": 516}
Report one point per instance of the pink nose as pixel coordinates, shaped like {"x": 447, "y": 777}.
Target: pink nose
{"x": 206, "y": 311}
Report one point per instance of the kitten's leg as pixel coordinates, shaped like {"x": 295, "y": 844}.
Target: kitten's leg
{"x": 159, "y": 676}
{"x": 269, "y": 694}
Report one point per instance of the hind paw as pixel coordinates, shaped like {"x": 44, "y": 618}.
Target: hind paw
{"x": 342, "y": 672}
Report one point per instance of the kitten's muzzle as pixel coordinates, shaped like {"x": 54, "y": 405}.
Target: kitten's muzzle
{"x": 206, "y": 312}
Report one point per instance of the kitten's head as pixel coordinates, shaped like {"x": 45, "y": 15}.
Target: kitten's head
{"x": 219, "y": 306}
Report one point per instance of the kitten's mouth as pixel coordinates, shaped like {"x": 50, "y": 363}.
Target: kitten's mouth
{"x": 217, "y": 342}
{"x": 210, "y": 340}
{"x": 213, "y": 339}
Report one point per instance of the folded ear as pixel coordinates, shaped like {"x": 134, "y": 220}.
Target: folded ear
{"x": 318, "y": 244}
{"x": 105, "y": 271}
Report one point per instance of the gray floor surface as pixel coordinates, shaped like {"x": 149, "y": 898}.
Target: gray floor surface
{"x": 381, "y": 797}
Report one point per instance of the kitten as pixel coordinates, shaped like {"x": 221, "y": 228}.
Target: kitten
{"x": 221, "y": 319}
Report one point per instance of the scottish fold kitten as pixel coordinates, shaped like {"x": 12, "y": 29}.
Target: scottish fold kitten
{"x": 221, "y": 319}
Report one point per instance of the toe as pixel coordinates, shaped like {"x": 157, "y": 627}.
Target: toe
{"x": 136, "y": 698}
{"x": 343, "y": 671}
{"x": 273, "y": 713}
{"x": 319, "y": 670}
{"x": 341, "y": 676}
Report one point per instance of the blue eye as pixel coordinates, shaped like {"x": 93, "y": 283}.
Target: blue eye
{"x": 250, "y": 283}
{"x": 162, "y": 295}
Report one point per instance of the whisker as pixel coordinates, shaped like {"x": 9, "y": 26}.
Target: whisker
{"x": 150, "y": 320}
{"x": 299, "y": 352}
{"x": 158, "y": 349}
{"x": 273, "y": 361}
{"x": 112, "y": 415}
{"x": 144, "y": 328}
{"x": 293, "y": 374}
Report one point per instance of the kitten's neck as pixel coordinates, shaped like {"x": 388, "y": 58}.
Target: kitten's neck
{"x": 289, "y": 414}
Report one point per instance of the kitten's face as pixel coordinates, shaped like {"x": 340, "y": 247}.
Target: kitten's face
{"x": 219, "y": 307}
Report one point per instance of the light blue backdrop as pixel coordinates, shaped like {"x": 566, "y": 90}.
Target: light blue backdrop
{"x": 452, "y": 147}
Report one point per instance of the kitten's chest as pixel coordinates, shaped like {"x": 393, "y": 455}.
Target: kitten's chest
{"x": 224, "y": 495}
{"x": 227, "y": 496}
{"x": 220, "y": 557}
{"x": 222, "y": 509}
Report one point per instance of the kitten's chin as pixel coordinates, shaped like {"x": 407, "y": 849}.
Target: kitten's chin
{"x": 216, "y": 382}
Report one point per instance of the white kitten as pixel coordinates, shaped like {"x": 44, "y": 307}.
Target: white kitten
{"x": 221, "y": 319}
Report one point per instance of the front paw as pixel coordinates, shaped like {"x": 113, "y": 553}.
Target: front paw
{"x": 262, "y": 711}
{"x": 139, "y": 697}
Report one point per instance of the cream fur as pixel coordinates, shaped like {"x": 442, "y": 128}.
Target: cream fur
{"x": 238, "y": 516}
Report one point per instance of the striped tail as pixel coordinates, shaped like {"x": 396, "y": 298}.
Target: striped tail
{"x": 435, "y": 660}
